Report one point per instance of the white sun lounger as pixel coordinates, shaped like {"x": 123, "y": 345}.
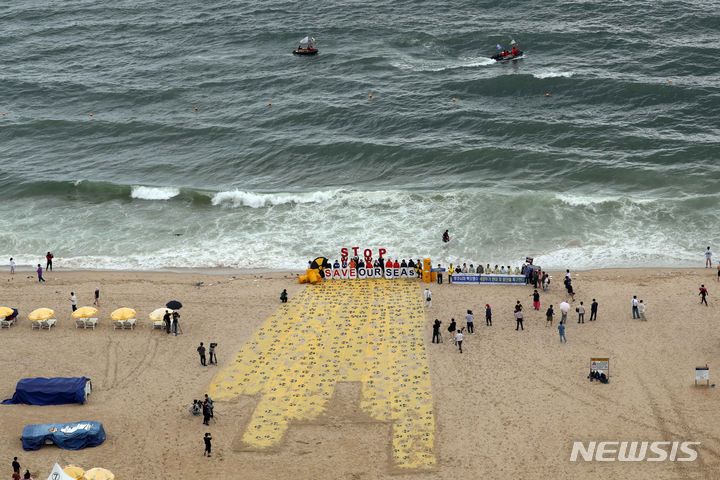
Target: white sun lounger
{"x": 79, "y": 323}
{"x": 159, "y": 325}
{"x": 91, "y": 323}
{"x": 130, "y": 324}
{"x": 47, "y": 324}
{"x": 118, "y": 324}
{"x": 6, "y": 323}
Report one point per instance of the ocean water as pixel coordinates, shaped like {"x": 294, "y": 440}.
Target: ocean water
{"x": 148, "y": 135}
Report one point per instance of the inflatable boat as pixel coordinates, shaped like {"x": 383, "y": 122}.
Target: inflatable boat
{"x": 499, "y": 58}
{"x": 306, "y": 47}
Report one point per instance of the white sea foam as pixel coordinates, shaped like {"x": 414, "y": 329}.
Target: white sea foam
{"x": 439, "y": 66}
{"x": 154, "y": 193}
{"x": 238, "y": 198}
{"x": 552, "y": 73}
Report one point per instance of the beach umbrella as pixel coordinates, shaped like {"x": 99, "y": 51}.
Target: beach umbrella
{"x": 99, "y": 474}
{"x": 74, "y": 471}
{"x": 158, "y": 314}
{"x": 41, "y": 314}
{"x": 85, "y": 312}
{"x": 5, "y": 311}
{"x": 174, "y": 305}
{"x": 123, "y": 314}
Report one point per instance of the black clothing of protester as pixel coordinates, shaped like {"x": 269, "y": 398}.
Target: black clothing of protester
{"x": 403, "y": 264}
{"x": 201, "y": 351}
{"x": 593, "y": 311}
{"x": 16, "y": 466}
{"x": 439, "y": 277}
{"x": 411, "y": 264}
{"x": 206, "y": 413}
{"x": 208, "y": 445}
{"x": 436, "y": 331}
{"x": 168, "y": 322}
{"x": 488, "y": 317}
{"x": 283, "y": 296}
{"x": 452, "y": 327}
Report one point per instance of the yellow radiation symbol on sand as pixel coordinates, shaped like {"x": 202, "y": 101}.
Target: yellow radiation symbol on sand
{"x": 367, "y": 331}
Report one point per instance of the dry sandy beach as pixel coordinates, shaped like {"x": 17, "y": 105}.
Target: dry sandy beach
{"x": 509, "y": 407}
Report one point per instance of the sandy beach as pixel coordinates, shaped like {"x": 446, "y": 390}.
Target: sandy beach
{"x": 509, "y": 407}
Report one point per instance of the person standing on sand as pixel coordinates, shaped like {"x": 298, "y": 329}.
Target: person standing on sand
{"x": 708, "y": 258}
{"x": 436, "y": 331}
{"x": 201, "y": 352}
{"x": 536, "y": 299}
{"x": 96, "y": 302}
{"x": 16, "y": 466}
{"x": 703, "y": 293}
{"x": 641, "y": 311}
{"x": 518, "y": 320}
{"x": 593, "y": 310}
{"x": 581, "y": 313}
{"x": 12, "y": 268}
{"x": 488, "y": 315}
{"x": 208, "y": 445}
{"x": 561, "y": 331}
{"x": 428, "y": 298}
{"x": 439, "y": 275}
{"x": 168, "y": 322}
{"x": 175, "y": 323}
{"x": 549, "y": 314}
{"x": 635, "y": 312}
{"x": 469, "y": 319}
{"x": 73, "y": 301}
{"x": 39, "y": 274}
{"x": 49, "y": 257}
{"x": 213, "y": 358}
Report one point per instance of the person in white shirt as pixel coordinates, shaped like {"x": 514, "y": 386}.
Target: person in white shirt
{"x": 635, "y": 312}
{"x": 428, "y": 298}
{"x": 708, "y": 258}
{"x": 581, "y": 313}
{"x": 641, "y": 311}
{"x": 73, "y": 301}
{"x": 12, "y": 266}
{"x": 459, "y": 339}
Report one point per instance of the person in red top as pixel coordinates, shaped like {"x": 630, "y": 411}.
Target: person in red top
{"x": 514, "y": 52}
{"x": 389, "y": 264}
{"x": 396, "y": 264}
{"x": 703, "y": 293}
{"x": 49, "y": 257}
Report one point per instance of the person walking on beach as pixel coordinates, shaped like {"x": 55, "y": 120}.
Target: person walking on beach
{"x": 459, "y": 339}
{"x": 439, "y": 275}
{"x": 428, "y": 298}
{"x": 564, "y": 309}
{"x": 593, "y": 310}
{"x": 201, "y": 352}
{"x": 635, "y": 313}
{"x": 208, "y": 445}
{"x": 49, "y": 258}
{"x": 436, "y": 331}
{"x": 96, "y": 302}
{"x": 176, "y": 323}
{"x": 452, "y": 327}
{"x": 40, "y": 274}
{"x": 469, "y": 319}
{"x": 283, "y": 296}
{"x": 641, "y": 310}
{"x": 708, "y": 258}
{"x": 561, "y": 331}
{"x": 16, "y": 466}
{"x": 703, "y": 293}
{"x": 73, "y": 301}
{"x": 518, "y": 320}
{"x": 536, "y": 299}
{"x": 581, "y": 313}
{"x": 12, "y": 267}
{"x": 211, "y": 351}
{"x": 488, "y": 315}
{"x": 549, "y": 314}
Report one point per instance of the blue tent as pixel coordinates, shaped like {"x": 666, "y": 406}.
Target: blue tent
{"x": 50, "y": 391}
{"x": 70, "y": 436}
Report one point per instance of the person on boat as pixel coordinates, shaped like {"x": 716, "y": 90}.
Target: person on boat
{"x": 515, "y": 51}
{"x": 504, "y": 53}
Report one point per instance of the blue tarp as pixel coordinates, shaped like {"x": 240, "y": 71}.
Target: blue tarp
{"x": 70, "y": 436}
{"x": 49, "y": 391}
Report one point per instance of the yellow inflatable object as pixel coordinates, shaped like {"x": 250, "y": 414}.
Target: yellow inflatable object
{"x": 123, "y": 314}
{"x": 313, "y": 276}
{"x": 98, "y": 474}
{"x": 74, "y": 471}
{"x": 303, "y": 279}
{"x": 426, "y": 277}
{"x": 41, "y": 314}
{"x": 5, "y": 311}
{"x": 85, "y": 312}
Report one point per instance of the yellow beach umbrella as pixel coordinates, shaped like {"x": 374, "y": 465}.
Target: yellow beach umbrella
{"x": 158, "y": 314}
{"x": 74, "y": 471}
{"x": 41, "y": 314}
{"x": 85, "y": 312}
{"x": 99, "y": 474}
{"x": 5, "y": 311}
{"x": 123, "y": 314}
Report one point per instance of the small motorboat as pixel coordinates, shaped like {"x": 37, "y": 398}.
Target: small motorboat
{"x": 306, "y": 47}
